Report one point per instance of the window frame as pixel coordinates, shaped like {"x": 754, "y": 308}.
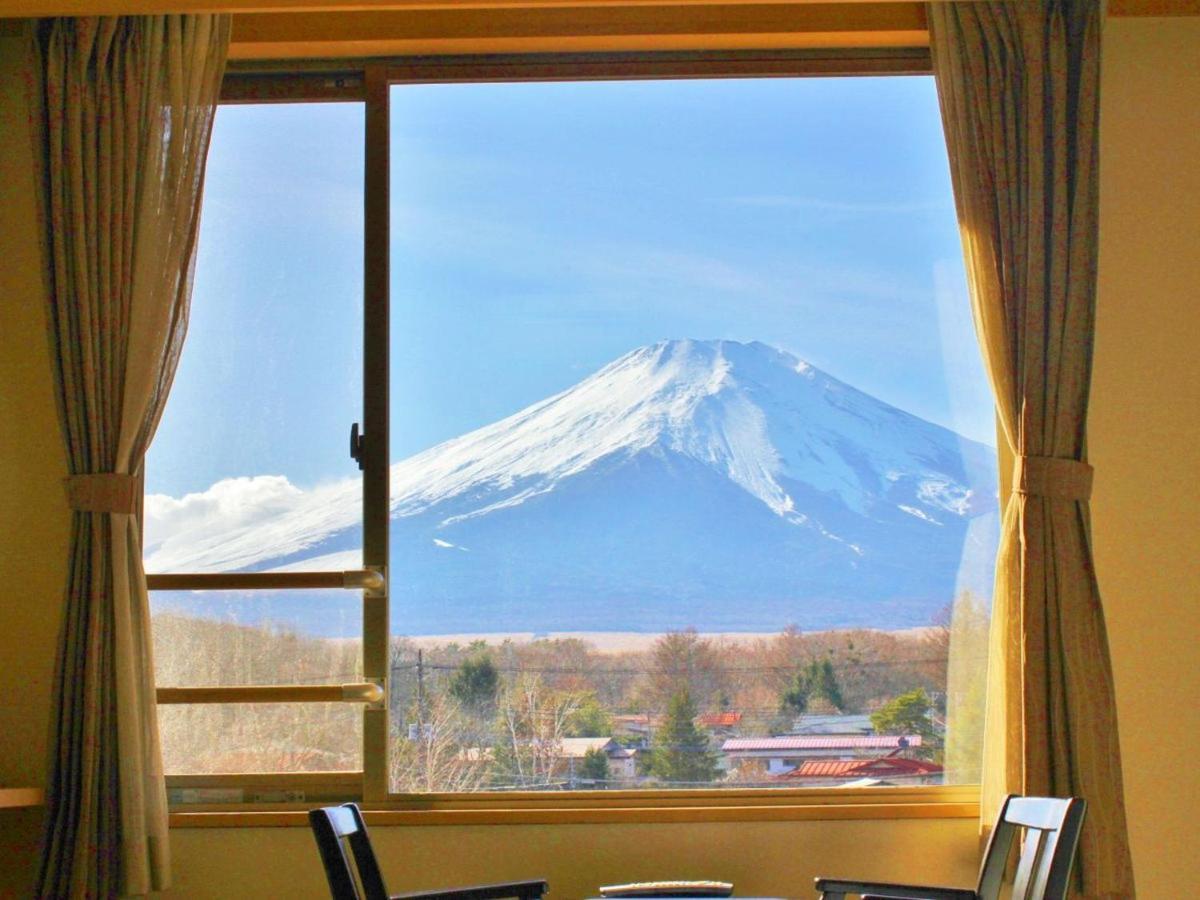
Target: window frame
{"x": 369, "y": 82}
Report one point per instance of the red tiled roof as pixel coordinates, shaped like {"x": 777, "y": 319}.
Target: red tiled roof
{"x": 862, "y": 768}
{"x": 899, "y": 765}
{"x": 823, "y": 768}
{"x": 719, "y": 720}
{"x": 822, "y": 742}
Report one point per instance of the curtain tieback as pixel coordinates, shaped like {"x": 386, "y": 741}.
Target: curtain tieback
{"x": 103, "y": 492}
{"x": 1051, "y": 477}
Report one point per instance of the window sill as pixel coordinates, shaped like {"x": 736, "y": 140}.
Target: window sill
{"x": 585, "y": 809}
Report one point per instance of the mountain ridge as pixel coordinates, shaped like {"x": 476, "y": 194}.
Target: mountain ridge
{"x": 686, "y": 476}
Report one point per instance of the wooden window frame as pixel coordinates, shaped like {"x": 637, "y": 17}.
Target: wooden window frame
{"x": 369, "y": 81}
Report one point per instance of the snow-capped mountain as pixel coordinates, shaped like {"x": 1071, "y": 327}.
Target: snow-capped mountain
{"x": 713, "y": 484}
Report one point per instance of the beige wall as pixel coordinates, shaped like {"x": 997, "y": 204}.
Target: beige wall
{"x": 1145, "y": 428}
{"x": 34, "y": 523}
{"x": 1143, "y": 437}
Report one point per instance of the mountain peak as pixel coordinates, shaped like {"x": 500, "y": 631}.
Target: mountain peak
{"x": 758, "y": 414}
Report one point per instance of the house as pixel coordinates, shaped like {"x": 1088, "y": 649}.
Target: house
{"x": 622, "y": 765}
{"x": 636, "y": 725}
{"x": 1145, "y": 521}
{"x": 722, "y": 724}
{"x": 621, "y": 760}
{"x": 784, "y": 754}
{"x": 835, "y": 723}
{"x": 573, "y": 751}
{"x": 885, "y": 770}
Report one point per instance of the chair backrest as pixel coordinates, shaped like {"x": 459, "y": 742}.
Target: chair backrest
{"x": 334, "y": 827}
{"x": 1051, "y": 828}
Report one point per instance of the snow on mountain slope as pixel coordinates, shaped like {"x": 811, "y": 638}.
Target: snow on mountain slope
{"x": 755, "y": 413}
{"x": 688, "y": 482}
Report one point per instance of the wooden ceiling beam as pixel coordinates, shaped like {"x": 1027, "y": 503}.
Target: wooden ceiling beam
{"x": 325, "y": 29}
{"x": 604, "y": 28}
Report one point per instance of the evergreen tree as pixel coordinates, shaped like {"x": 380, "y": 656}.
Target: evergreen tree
{"x": 824, "y": 682}
{"x": 594, "y": 767}
{"x": 906, "y": 715}
{"x": 795, "y": 696}
{"x": 817, "y": 679}
{"x": 475, "y": 682}
{"x": 680, "y": 751}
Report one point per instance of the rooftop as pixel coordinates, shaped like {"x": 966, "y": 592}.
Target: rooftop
{"x": 861, "y": 768}
{"x": 822, "y": 742}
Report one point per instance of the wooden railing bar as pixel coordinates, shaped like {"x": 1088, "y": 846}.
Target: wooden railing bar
{"x": 368, "y": 580}
{"x": 360, "y": 692}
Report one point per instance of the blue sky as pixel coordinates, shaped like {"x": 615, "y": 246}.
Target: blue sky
{"x": 542, "y": 230}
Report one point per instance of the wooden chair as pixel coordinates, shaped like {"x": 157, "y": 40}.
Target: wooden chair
{"x": 336, "y": 826}
{"x": 1043, "y": 872}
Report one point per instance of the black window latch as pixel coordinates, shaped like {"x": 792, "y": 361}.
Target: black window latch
{"x": 356, "y": 445}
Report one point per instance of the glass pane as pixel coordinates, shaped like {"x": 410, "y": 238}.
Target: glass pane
{"x": 216, "y": 638}
{"x": 261, "y": 737}
{"x": 694, "y": 480}
{"x": 249, "y": 469}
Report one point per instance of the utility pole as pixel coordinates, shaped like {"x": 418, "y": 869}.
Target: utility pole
{"x": 420, "y": 689}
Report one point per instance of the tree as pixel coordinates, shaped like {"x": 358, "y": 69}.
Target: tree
{"x": 823, "y": 682}
{"x": 475, "y": 682}
{"x": 531, "y": 723}
{"x": 684, "y": 661}
{"x": 817, "y": 679}
{"x": 594, "y": 767}
{"x": 909, "y": 714}
{"x": 439, "y": 757}
{"x": 795, "y": 696}
{"x": 679, "y": 752}
{"x": 966, "y": 686}
{"x": 590, "y": 719}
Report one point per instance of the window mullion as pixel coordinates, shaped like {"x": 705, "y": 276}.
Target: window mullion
{"x": 376, "y": 332}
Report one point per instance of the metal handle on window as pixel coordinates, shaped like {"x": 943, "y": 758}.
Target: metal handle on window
{"x": 370, "y": 580}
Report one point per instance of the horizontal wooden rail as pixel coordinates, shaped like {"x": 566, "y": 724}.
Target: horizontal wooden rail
{"x": 660, "y": 65}
{"x": 15, "y": 798}
{"x": 363, "y": 692}
{"x": 376, "y": 32}
{"x": 296, "y": 86}
{"x": 355, "y": 579}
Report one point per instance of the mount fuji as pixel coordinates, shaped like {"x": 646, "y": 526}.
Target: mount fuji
{"x": 711, "y": 484}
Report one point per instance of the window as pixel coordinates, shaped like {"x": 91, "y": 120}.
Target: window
{"x": 689, "y": 462}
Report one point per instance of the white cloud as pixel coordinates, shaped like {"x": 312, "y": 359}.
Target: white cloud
{"x": 239, "y": 522}
{"x": 228, "y": 503}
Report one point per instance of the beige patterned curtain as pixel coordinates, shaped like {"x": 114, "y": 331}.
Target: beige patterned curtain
{"x": 122, "y": 111}
{"x": 1018, "y": 85}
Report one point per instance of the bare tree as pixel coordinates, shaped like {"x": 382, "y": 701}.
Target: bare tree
{"x": 685, "y": 661}
{"x": 439, "y": 756}
{"x": 533, "y": 721}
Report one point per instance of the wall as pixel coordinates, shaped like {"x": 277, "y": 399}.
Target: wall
{"x": 1144, "y": 429}
{"x": 1144, "y": 434}
{"x": 34, "y": 523}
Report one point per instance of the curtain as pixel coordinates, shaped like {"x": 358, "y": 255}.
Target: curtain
{"x": 122, "y": 111}
{"x": 1018, "y": 86}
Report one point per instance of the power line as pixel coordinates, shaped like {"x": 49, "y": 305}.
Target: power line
{"x": 726, "y": 670}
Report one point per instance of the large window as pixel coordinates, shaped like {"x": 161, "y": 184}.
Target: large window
{"x": 690, "y": 484}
